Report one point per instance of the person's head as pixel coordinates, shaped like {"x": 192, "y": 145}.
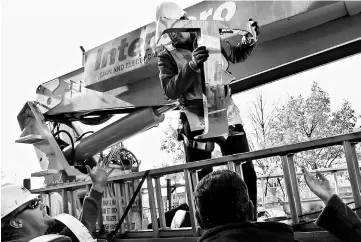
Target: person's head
{"x": 170, "y": 10}
{"x": 221, "y": 198}
{"x": 22, "y": 214}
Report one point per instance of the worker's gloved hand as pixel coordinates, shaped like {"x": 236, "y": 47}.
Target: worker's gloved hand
{"x": 319, "y": 185}
{"x": 99, "y": 175}
{"x": 199, "y": 55}
{"x": 253, "y": 27}
{"x": 252, "y": 36}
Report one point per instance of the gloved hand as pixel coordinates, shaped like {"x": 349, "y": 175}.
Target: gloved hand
{"x": 199, "y": 55}
{"x": 253, "y": 28}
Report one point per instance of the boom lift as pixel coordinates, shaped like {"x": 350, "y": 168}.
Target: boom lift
{"x": 121, "y": 77}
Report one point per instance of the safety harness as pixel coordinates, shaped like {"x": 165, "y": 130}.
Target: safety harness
{"x": 182, "y": 57}
{"x": 207, "y": 146}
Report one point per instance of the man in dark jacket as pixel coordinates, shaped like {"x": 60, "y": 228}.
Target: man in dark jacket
{"x": 24, "y": 217}
{"x": 336, "y": 217}
{"x": 180, "y": 66}
{"x": 223, "y": 209}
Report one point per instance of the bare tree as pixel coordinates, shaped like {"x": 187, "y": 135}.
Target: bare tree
{"x": 261, "y": 116}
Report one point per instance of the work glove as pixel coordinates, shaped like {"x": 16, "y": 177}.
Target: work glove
{"x": 253, "y": 28}
{"x": 199, "y": 55}
{"x": 252, "y": 37}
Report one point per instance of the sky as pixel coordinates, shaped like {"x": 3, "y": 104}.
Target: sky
{"x": 40, "y": 41}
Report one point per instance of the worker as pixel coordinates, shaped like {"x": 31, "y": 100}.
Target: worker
{"x": 224, "y": 211}
{"x": 336, "y": 217}
{"x": 180, "y": 73}
{"x": 24, "y": 217}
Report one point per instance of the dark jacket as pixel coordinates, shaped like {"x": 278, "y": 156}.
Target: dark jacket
{"x": 89, "y": 213}
{"x": 340, "y": 220}
{"x": 249, "y": 232}
{"x": 175, "y": 82}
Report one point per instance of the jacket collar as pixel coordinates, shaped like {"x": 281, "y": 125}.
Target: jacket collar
{"x": 228, "y": 231}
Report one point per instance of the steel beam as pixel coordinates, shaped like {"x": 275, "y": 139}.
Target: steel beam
{"x": 297, "y": 66}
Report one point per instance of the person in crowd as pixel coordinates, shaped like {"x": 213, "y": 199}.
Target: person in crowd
{"x": 24, "y": 217}
{"x": 336, "y": 217}
{"x": 180, "y": 71}
{"x": 223, "y": 209}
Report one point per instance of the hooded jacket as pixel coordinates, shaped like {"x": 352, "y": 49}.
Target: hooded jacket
{"x": 249, "y": 232}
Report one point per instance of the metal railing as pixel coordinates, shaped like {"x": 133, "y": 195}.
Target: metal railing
{"x": 286, "y": 153}
{"x": 334, "y": 171}
{"x": 261, "y": 195}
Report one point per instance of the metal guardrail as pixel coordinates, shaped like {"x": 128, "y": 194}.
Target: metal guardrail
{"x": 262, "y": 178}
{"x": 334, "y": 171}
{"x": 258, "y": 154}
{"x": 285, "y": 152}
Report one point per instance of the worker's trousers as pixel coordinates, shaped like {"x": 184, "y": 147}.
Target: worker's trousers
{"x": 232, "y": 145}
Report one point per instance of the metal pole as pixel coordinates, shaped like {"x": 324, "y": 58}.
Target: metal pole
{"x": 288, "y": 184}
{"x": 169, "y": 194}
{"x": 158, "y": 191}
{"x": 65, "y": 200}
{"x": 336, "y": 182}
{"x": 43, "y": 198}
{"x": 195, "y": 180}
{"x": 295, "y": 185}
{"x": 239, "y": 170}
{"x": 354, "y": 157}
{"x": 263, "y": 196}
{"x": 353, "y": 169}
{"x": 73, "y": 203}
{"x": 152, "y": 206}
{"x": 189, "y": 193}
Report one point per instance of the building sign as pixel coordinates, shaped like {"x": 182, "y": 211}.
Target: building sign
{"x": 106, "y": 64}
